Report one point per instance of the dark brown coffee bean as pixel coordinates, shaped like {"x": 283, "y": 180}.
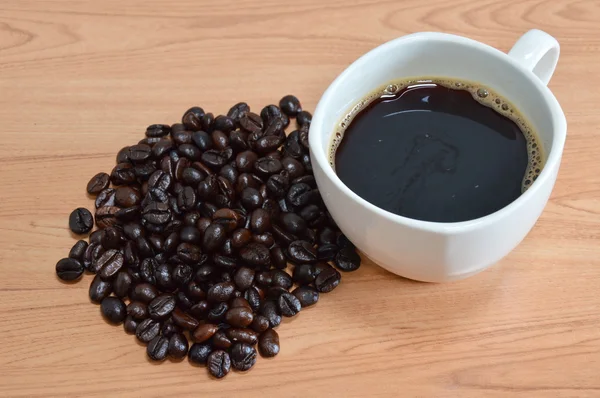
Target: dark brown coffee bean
{"x": 293, "y": 167}
{"x": 204, "y": 332}
{"x": 189, "y": 253}
{"x": 139, "y": 153}
{"x": 164, "y": 278}
{"x": 306, "y": 295}
{"x": 220, "y": 140}
{"x": 270, "y": 311}
{"x": 182, "y": 274}
{"x": 219, "y": 364}
{"x": 278, "y": 258}
{"x": 269, "y": 143}
{"x": 178, "y": 346}
{"x": 105, "y": 216}
{"x": 69, "y": 269}
{"x": 130, "y": 325}
{"x": 127, "y": 196}
{"x": 99, "y": 289}
{"x": 144, "y": 292}
{"x": 186, "y": 199}
{"x": 278, "y": 184}
{"x": 290, "y": 105}
{"x": 81, "y": 221}
{"x": 137, "y": 310}
{"x": 229, "y": 218}
{"x": 260, "y": 324}
{"x": 192, "y": 118}
{"x": 215, "y": 159}
{"x": 288, "y": 304}
{"x": 91, "y": 256}
{"x": 122, "y": 174}
{"x": 223, "y": 123}
{"x": 112, "y": 238}
{"x": 242, "y": 335}
{"x": 122, "y": 284}
{"x": 106, "y": 197}
{"x": 253, "y": 297}
{"x": 239, "y": 317}
{"x": 302, "y": 252}
{"x": 267, "y": 166}
{"x": 157, "y": 213}
{"x": 260, "y": 221}
{"x": 147, "y": 269}
{"x": 184, "y": 320}
{"x": 198, "y": 353}
{"x": 243, "y": 278}
{"x": 200, "y": 310}
{"x": 97, "y": 183}
{"x": 110, "y": 263}
{"x": 347, "y": 259}
{"x": 268, "y": 344}
{"x": 245, "y": 161}
{"x": 327, "y": 280}
{"x": 221, "y": 292}
{"x": 310, "y": 212}
{"x": 243, "y": 356}
{"x": 238, "y": 111}
{"x": 114, "y": 310}
{"x": 304, "y": 274}
{"x": 255, "y": 255}
{"x": 158, "y": 348}
{"x": 251, "y": 198}
{"x": 251, "y": 122}
{"x": 240, "y": 302}
{"x": 162, "y": 306}
{"x": 214, "y": 236}
{"x": 158, "y": 130}
{"x": 147, "y": 330}
{"x": 303, "y": 118}
{"x": 220, "y": 340}
{"x": 329, "y": 252}
{"x": 217, "y": 313}
{"x": 293, "y": 224}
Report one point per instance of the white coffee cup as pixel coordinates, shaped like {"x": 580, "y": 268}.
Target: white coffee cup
{"x": 429, "y": 251}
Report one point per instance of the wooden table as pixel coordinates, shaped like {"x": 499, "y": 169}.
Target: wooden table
{"x": 81, "y": 79}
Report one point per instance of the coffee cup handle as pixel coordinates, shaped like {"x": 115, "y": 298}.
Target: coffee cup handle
{"x": 538, "y": 52}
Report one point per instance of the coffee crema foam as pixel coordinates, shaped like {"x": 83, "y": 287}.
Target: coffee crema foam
{"x": 480, "y": 93}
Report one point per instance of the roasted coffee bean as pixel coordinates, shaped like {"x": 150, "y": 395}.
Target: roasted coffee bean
{"x": 251, "y": 122}
{"x": 81, "y": 221}
{"x": 106, "y": 197}
{"x": 294, "y": 224}
{"x": 113, "y": 309}
{"x": 214, "y": 236}
{"x": 123, "y": 174}
{"x": 290, "y": 105}
{"x": 181, "y": 137}
{"x": 243, "y": 356}
{"x": 109, "y": 263}
{"x": 158, "y": 348}
{"x": 264, "y": 278}
{"x": 147, "y": 330}
{"x": 147, "y": 269}
{"x": 293, "y": 167}
{"x": 238, "y": 140}
{"x": 219, "y": 364}
{"x": 310, "y": 212}
{"x": 239, "y": 317}
{"x": 302, "y": 252}
{"x": 292, "y": 146}
{"x": 272, "y": 207}
{"x": 217, "y": 313}
{"x": 245, "y": 161}
{"x": 274, "y": 292}
{"x": 182, "y": 274}
{"x": 192, "y": 118}
{"x": 112, "y": 238}
{"x": 260, "y": 221}
{"x": 260, "y": 324}
{"x": 238, "y": 111}
{"x": 327, "y": 236}
{"x": 204, "y": 332}
{"x": 144, "y": 292}
{"x": 162, "y": 306}
{"x": 130, "y": 325}
{"x": 164, "y": 278}
{"x": 242, "y": 335}
{"x": 269, "y": 143}
{"x": 347, "y": 259}
{"x": 268, "y": 344}
{"x": 278, "y": 258}
{"x": 225, "y": 262}
{"x": 238, "y": 302}
{"x": 240, "y": 238}
{"x": 169, "y": 328}
{"x": 122, "y": 284}
{"x": 200, "y": 310}
{"x": 243, "y": 278}
{"x": 220, "y": 140}
{"x": 306, "y": 295}
{"x": 255, "y": 255}
{"x": 183, "y": 301}
{"x": 178, "y": 346}
{"x": 106, "y": 216}
{"x": 288, "y": 304}
{"x": 278, "y": 184}
{"x": 69, "y": 269}
{"x": 267, "y": 166}
{"x": 229, "y": 218}
{"x": 99, "y": 289}
{"x": 327, "y": 252}
{"x": 190, "y": 152}
{"x": 302, "y": 194}
{"x": 270, "y": 311}
{"x": 127, "y": 196}
{"x": 303, "y": 118}
{"x": 251, "y": 198}
{"x": 123, "y": 155}
{"x": 220, "y": 340}
{"x": 327, "y": 280}
{"x": 343, "y": 242}
{"x": 137, "y": 310}
{"x": 184, "y": 320}
{"x": 304, "y": 274}
{"x": 128, "y": 214}
{"x": 157, "y": 213}
{"x": 158, "y": 130}
{"x": 281, "y": 278}
{"x": 253, "y": 297}
{"x": 139, "y": 153}
{"x": 98, "y": 183}
{"x": 223, "y": 123}
{"x": 270, "y": 112}
{"x": 221, "y": 292}
{"x": 199, "y": 352}
{"x": 91, "y": 256}
{"x": 189, "y": 254}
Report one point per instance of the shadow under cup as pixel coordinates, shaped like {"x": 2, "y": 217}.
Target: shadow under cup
{"x": 422, "y": 250}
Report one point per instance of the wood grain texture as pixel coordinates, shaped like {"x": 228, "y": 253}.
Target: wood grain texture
{"x": 81, "y": 79}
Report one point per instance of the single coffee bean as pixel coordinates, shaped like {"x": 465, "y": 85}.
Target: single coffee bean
{"x": 91, "y": 256}
{"x": 278, "y": 258}
{"x": 169, "y": 328}
{"x": 178, "y": 346}
{"x": 239, "y": 317}
{"x": 184, "y": 320}
{"x": 328, "y": 252}
{"x": 221, "y": 292}
{"x": 192, "y": 118}
{"x": 243, "y": 278}
{"x": 81, "y": 221}
{"x": 123, "y": 174}
{"x": 223, "y": 123}
{"x": 219, "y": 364}
{"x": 122, "y": 284}
{"x": 229, "y": 218}
{"x": 302, "y": 252}
{"x": 199, "y": 352}
{"x": 106, "y": 216}
{"x": 214, "y": 236}
{"x": 157, "y": 213}
{"x": 327, "y": 280}
{"x": 294, "y": 224}
{"x": 260, "y": 221}
{"x": 204, "y": 332}
{"x": 255, "y": 255}
{"x": 304, "y": 274}
{"x": 113, "y": 309}
{"x": 238, "y": 111}
{"x": 69, "y": 269}
{"x": 110, "y": 263}
{"x": 303, "y": 118}
{"x": 137, "y": 310}
{"x": 260, "y": 324}
{"x": 302, "y": 194}
{"x": 288, "y": 304}
{"x": 162, "y": 306}
{"x": 106, "y": 197}
{"x": 290, "y": 105}
{"x": 112, "y": 238}
{"x": 220, "y": 340}
{"x": 243, "y": 356}
{"x": 347, "y": 259}
{"x": 251, "y": 122}
{"x": 189, "y": 253}
{"x": 147, "y": 330}
{"x": 274, "y": 292}
{"x": 158, "y": 130}
{"x": 253, "y": 297}
{"x": 247, "y": 336}
{"x": 158, "y": 348}
{"x": 217, "y": 313}
{"x": 240, "y": 238}
{"x": 238, "y": 302}
{"x": 270, "y": 311}
{"x": 268, "y": 166}
{"x": 144, "y": 292}
{"x": 268, "y": 343}
{"x": 130, "y": 325}
{"x": 99, "y": 289}
{"x": 127, "y": 196}
{"x": 97, "y": 183}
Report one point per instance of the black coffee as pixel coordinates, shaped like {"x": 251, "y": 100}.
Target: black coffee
{"x": 436, "y": 150}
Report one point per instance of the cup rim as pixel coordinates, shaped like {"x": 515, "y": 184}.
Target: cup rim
{"x": 319, "y": 155}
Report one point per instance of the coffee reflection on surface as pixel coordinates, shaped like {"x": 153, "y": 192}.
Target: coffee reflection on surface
{"x": 437, "y": 150}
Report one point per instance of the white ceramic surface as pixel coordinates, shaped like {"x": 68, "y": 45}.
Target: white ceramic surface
{"x": 428, "y": 251}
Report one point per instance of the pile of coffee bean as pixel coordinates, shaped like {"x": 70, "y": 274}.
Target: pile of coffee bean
{"x": 196, "y": 225}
